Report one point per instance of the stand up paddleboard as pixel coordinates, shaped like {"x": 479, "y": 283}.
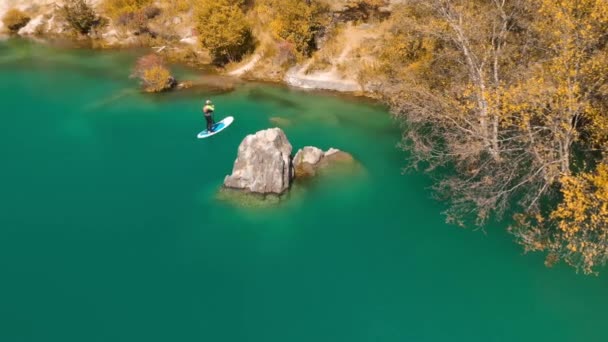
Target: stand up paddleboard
{"x": 218, "y": 127}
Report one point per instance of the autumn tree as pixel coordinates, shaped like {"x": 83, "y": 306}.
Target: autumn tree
{"x": 362, "y": 10}
{"x": 153, "y": 74}
{"x": 446, "y": 64}
{"x": 577, "y": 230}
{"x": 561, "y": 109}
{"x": 15, "y": 19}
{"x": 116, "y": 8}
{"x": 293, "y": 21}
{"x": 80, "y": 16}
{"x": 510, "y": 94}
{"x": 223, "y": 29}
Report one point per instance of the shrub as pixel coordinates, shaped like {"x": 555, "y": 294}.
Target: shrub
{"x": 294, "y": 21}
{"x": 153, "y": 74}
{"x": 116, "y": 8}
{"x": 80, "y": 16}
{"x": 15, "y": 19}
{"x": 223, "y": 29}
{"x": 125, "y": 18}
{"x": 151, "y": 12}
{"x": 364, "y": 10}
{"x": 136, "y": 21}
{"x": 286, "y": 53}
{"x": 175, "y": 7}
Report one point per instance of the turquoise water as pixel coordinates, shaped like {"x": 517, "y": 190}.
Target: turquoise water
{"x": 110, "y": 229}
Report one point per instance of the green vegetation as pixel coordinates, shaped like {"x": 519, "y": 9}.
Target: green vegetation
{"x": 15, "y": 19}
{"x": 223, "y": 29}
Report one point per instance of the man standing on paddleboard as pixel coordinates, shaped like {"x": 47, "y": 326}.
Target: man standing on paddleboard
{"x": 208, "y": 111}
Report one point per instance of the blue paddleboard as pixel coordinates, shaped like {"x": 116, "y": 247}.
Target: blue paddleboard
{"x": 218, "y": 127}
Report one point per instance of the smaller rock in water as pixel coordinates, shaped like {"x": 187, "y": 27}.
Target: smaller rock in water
{"x": 310, "y": 160}
{"x": 336, "y": 156}
{"x": 305, "y": 161}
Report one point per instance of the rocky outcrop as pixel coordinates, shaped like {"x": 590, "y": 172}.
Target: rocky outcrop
{"x": 310, "y": 160}
{"x": 264, "y": 168}
{"x": 306, "y": 160}
{"x": 327, "y": 80}
{"x": 32, "y": 26}
{"x": 263, "y": 164}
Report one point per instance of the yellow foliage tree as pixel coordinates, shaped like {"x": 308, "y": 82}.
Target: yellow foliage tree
{"x": 293, "y": 21}
{"x": 116, "y": 8}
{"x": 15, "y": 19}
{"x": 514, "y": 96}
{"x": 156, "y": 79}
{"x": 223, "y": 29}
{"x": 582, "y": 219}
{"x": 153, "y": 74}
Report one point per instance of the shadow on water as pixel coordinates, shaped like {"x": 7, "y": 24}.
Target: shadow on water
{"x": 112, "y": 99}
{"x": 195, "y": 92}
{"x": 261, "y": 95}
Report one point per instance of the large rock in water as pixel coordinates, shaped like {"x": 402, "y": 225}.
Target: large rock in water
{"x": 263, "y": 164}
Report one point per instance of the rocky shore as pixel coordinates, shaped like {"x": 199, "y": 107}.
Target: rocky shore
{"x": 172, "y": 34}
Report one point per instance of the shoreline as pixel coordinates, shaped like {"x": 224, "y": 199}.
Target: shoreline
{"x": 201, "y": 69}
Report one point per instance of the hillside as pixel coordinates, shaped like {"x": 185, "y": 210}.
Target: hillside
{"x": 337, "y": 62}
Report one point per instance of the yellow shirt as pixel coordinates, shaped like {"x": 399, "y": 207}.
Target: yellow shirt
{"x": 208, "y": 109}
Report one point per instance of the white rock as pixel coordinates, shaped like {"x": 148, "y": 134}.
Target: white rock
{"x": 263, "y": 164}
{"x": 308, "y": 154}
{"x": 189, "y": 40}
{"x": 31, "y": 26}
{"x": 331, "y": 151}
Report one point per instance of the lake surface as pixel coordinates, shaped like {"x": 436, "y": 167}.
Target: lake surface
{"x": 110, "y": 229}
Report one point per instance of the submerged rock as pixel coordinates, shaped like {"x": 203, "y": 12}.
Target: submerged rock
{"x": 263, "y": 164}
{"x": 249, "y": 199}
{"x": 280, "y": 121}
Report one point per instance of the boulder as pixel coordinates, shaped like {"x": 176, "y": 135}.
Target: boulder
{"x": 32, "y": 26}
{"x": 334, "y": 156}
{"x": 263, "y": 164}
{"x": 310, "y": 160}
{"x": 189, "y": 40}
{"x": 306, "y": 160}
{"x": 264, "y": 169}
